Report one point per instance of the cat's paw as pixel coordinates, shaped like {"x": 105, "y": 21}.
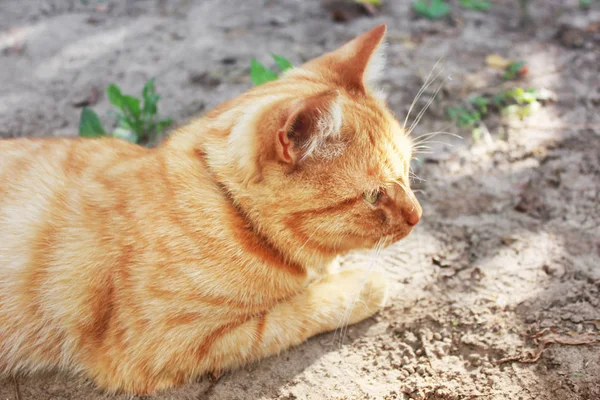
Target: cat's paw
{"x": 373, "y": 296}
{"x": 365, "y": 293}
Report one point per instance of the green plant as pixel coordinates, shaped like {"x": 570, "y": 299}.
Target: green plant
{"x": 432, "y": 9}
{"x": 89, "y": 124}
{"x": 517, "y": 102}
{"x": 585, "y": 3}
{"x": 260, "y": 74}
{"x": 478, "y": 5}
{"x": 137, "y": 120}
{"x": 464, "y": 117}
{"x": 514, "y": 70}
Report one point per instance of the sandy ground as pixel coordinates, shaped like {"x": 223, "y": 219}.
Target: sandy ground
{"x": 509, "y": 244}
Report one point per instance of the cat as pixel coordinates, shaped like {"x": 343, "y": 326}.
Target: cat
{"x": 142, "y": 269}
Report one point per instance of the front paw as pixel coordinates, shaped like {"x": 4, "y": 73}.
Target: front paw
{"x": 366, "y": 293}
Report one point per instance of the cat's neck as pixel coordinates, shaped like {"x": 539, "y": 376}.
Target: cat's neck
{"x": 207, "y": 141}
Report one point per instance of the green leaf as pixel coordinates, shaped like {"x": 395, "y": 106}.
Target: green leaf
{"x": 259, "y": 74}
{"x": 513, "y": 69}
{"x": 478, "y": 5}
{"x": 148, "y": 89}
{"x": 114, "y": 95}
{"x": 125, "y": 134}
{"x": 150, "y": 107}
{"x": 282, "y": 63}
{"x": 420, "y": 7}
{"x": 163, "y": 125}
{"x": 131, "y": 104}
{"x": 150, "y": 97}
{"x": 499, "y": 99}
{"x": 89, "y": 124}
{"x": 481, "y": 104}
{"x": 124, "y": 122}
{"x": 432, "y": 9}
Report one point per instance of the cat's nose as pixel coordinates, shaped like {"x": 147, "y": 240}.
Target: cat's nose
{"x": 406, "y": 207}
{"x": 411, "y": 209}
{"x": 412, "y": 213}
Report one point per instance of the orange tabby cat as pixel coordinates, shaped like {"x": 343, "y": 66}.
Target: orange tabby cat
{"x": 144, "y": 268}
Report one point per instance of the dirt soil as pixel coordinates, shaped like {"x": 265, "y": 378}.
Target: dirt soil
{"x": 509, "y": 244}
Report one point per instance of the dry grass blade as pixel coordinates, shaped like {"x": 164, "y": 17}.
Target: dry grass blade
{"x": 547, "y": 337}
{"x": 17, "y": 388}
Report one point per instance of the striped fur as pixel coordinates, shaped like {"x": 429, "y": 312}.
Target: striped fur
{"x": 145, "y": 268}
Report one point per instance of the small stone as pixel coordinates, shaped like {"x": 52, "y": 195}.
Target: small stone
{"x": 553, "y": 269}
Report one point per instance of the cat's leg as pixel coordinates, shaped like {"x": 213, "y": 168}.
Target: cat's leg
{"x": 343, "y": 298}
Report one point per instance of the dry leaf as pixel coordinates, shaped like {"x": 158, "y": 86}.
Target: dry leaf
{"x": 497, "y": 61}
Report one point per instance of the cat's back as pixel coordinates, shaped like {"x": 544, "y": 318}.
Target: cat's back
{"x": 43, "y": 177}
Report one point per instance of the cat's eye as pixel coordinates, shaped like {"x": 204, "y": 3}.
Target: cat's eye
{"x": 372, "y": 196}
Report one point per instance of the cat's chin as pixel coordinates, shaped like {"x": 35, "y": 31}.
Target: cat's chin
{"x": 398, "y": 236}
{"x": 392, "y": 238}
{"x": 359, "y": 242}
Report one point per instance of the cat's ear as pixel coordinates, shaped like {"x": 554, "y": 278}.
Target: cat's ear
{"x": 307, "y": 127}
{"x": 357, "y": 64}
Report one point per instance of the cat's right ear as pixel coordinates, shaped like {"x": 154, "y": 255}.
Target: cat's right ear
{"x": 307, "y": 126}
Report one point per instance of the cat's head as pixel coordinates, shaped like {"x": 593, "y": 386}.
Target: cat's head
{"x": 321, "y": 159}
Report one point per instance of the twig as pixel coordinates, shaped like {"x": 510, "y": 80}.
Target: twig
{"x": 557, "y": 126}
{"x": 547, "y": 339}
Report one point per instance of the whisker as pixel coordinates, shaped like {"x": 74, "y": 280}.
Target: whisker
{"x": 424, "y": 87}
{"x": 437, "y": 142}
{"x": 343, "y": 324}
{"x": 428, "y": 135}
{"x": 414, "y": 177}
{"x": 310, "y": 237}
{"x": 421, "y": 147}
{"x": 420, "y": 115}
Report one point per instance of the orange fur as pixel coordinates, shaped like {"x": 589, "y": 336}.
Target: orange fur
{"x": 146, "y": 268}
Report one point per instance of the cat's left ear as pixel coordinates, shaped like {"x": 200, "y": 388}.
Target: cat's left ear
{"x": 358, "y": 64}
{"x": 308, "y": 127}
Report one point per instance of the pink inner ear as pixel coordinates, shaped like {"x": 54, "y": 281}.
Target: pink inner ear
{"x": 284, "y": 143}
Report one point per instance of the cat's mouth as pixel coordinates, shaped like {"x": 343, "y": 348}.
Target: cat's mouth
{"x": 397, "y": 235}
{"x": 387, "y": 238}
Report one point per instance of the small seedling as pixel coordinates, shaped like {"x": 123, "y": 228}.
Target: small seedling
{"x": 514, "y": 70}
{"x": 136, "y": 120}
{"x": 260, "y": 74}
{"x": 513, "y": 102}
{"x": 464, "y": 117}
{"x": 477, "y": 5}
{"x": 481, "y": 104}
{"x": 89, "y": 124}
{"x": 432, "y": 9}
